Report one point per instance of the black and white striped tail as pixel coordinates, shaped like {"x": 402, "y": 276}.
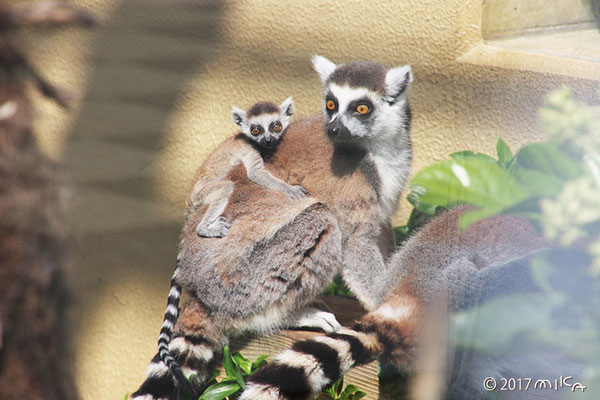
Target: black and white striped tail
{"x": 163, "y": 367}
{"x": 166, "y": 333}
{"x": 310, "y": 365}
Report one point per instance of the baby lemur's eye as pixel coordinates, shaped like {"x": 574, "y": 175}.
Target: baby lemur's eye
{"x": 362, "y": 109}
{"x": 276, "y": 127}
{"x": 330, "y": 105}
{"x": 255, "y": 131}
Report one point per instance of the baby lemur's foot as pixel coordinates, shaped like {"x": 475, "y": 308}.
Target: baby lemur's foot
{"x": 217, "y": 229}
{"x": 296, "y": 192}
{"x": 310, "y": 317}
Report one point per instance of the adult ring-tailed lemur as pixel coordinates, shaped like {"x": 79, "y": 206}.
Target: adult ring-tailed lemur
{"x": 353, "y": 160}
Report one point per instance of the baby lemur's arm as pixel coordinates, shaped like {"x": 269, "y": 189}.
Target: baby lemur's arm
{"x": 257, "y": 173}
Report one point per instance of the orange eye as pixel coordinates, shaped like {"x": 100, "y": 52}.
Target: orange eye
{"x": 330, "y": 105}
{"x": 255, "y": 131}
{"x": 362, "y": 109}
{"x": 277, "y": 128}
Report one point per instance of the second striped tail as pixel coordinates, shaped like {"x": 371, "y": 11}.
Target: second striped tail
{"x": 304, "y": 370}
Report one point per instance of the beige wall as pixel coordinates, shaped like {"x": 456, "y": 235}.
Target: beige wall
{"x": 157, "y": 83}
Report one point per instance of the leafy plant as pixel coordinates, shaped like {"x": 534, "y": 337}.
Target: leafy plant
{"x": 416, "y": 219}
{"x": 337, "y": 391}
{"x": 237, "y": 370}
{"x": 338, "y": 288}
{"x": 557, "y": 187}
{"x": 514, "y": 184}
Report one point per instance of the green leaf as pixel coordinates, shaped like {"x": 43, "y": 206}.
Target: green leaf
{"x": 213, "y": 375}
{"x": 549, "y": 158}
{"x": 338, "y": 288}
{"x": 401, "y": 234}
{"x": 334, "y": 389}
{"x": 231, "y": 369}
{"x": 470, "y": 180}
{"x": 465, "y": 154}
{"x": 220, "y": 391}
{"x": 416, "y": 220}
{"x": 414, "y": 198}
{"x": 244, "y": 364}
{"x": 350, "y": 389}
{"x": 228, "y": 363}
{"x": 338, "y": 386}
{"x": 330, "y": 391}
{"x": 229, "y": 379}
{"x": 126, "y": 396}
{"x": 539, "y": 184}
{"x": 359, "y": 394}
{"x": 505, "y": 156}
{"x": 258, "y": 362}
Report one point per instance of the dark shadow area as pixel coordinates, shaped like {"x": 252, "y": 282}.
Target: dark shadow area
{"x": 143, "y": 58}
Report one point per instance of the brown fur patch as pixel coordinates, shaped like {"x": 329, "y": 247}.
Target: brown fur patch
{"x": 398, "y": 336}
{"x": 195, "y": 322}
{"x": 305, "y": 157}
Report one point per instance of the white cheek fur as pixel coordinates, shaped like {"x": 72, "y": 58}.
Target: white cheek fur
{"x": 345, "y": 95}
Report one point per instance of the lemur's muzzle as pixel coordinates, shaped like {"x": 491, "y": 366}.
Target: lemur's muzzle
{"x": 336, "y": 130}
{"x": 268, "y": 143}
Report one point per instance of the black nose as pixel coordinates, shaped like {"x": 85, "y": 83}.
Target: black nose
{"x": 333, "y": 131}
{"x": 268, "y": 140}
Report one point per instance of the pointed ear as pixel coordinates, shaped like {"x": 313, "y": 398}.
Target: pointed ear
{"x": 397, "y": 81}
{"x": 239, "y": 116}
{"x": 287, "y": 107}
{"x": 323, "y": 66}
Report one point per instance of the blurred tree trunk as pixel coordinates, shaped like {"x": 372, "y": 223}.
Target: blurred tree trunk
{"x": 35, "y": 361}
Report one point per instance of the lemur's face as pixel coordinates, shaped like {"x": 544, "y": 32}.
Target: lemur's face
{"x": 265, "y": 129}
{"x": 265, "y": 122}
{"x": 363, "y": 100}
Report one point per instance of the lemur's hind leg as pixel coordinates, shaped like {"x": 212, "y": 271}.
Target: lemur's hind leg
{"x": 196, "y": 341}
{"x": 216, "y": 195}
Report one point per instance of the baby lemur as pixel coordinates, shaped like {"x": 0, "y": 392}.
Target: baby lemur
{"x": 262, "y": 127}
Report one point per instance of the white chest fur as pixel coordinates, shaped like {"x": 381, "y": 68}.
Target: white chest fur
{"x": 393, "y": 171}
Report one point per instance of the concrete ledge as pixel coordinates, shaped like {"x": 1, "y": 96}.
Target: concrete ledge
{"x": 568, "y": 54}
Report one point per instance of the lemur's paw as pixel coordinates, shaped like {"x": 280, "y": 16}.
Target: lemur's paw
{"x": 320, "y": 304}
{"x": 216, "y": 229}
{"x": 297, "y": 192}
{"x": 310, "y": 317}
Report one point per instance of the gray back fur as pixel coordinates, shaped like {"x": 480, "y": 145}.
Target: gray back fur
{"x": 271, "y": 262}
{"x": 442, "y": 259}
